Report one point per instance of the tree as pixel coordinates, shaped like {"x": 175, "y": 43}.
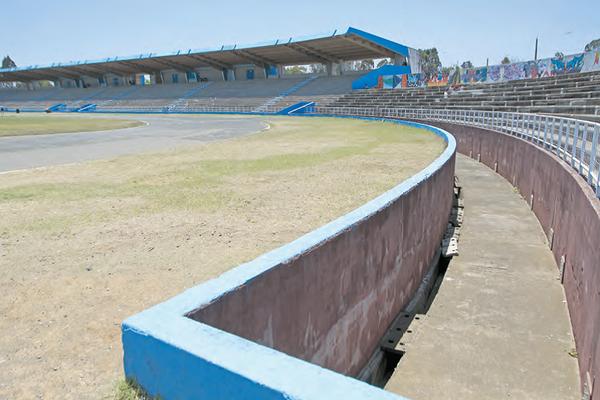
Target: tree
{"x": 366, "y": 65}
{"x": 505, "y": 60}
{"x": 466, "y": 65}
{"x": 593, "y": 45}
{"x": 430, "y": 62}
{"x": 295, "y": 69}
{"x": 383, "y": 62}
{"x": 359, "y": 65}
{"x": 317, "y": 68}
{"x": 7, "y": 62}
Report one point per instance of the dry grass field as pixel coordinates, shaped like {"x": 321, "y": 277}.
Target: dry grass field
{"x": 19, "y": 125}
{"x": 84, "y": 246}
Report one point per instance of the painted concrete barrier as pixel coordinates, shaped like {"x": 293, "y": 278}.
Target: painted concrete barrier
{"x": 299, "y": 321}
{"x": 569, "y": 213}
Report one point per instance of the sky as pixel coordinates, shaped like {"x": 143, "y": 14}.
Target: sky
{"x": 41, "y": 32}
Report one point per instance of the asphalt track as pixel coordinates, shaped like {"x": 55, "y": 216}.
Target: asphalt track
{"x": 161, "y": 132}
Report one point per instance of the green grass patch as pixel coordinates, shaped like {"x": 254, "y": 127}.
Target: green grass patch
{"x": 21, "y": 125}
{"x": 128, "y": 390}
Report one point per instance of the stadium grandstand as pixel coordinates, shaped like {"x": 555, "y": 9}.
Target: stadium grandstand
{"x": 234, "y": 77}
{"x": 253, "y": 79}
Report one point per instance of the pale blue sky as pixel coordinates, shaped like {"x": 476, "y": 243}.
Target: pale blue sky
{"x": 40, "y": 31}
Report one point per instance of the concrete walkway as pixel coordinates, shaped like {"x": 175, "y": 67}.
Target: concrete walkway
{"x": 499, "y": 326}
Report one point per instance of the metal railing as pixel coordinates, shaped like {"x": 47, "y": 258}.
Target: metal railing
{"x": 572, "y": 140}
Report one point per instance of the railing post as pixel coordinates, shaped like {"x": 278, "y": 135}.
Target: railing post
{"x": 592, "y": 163}
{"x": 512, "y": 124}
{"x": 582, "y": 150}
{"x": 560, "y": 138}
{"x": 537, "y": 124}
{"x": 545, "y": 132}
{"x": 499, "y": 120}
{"x": 574, "y": 147}
{"x": 532, "y": 127}
{"x": 552, "y": 129}
{"x": 567, "y": 134}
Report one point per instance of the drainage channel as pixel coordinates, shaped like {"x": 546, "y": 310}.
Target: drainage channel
{"x": 394, "y": 343}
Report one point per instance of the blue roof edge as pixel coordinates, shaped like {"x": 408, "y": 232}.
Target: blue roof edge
{"x": 388, "y": 44}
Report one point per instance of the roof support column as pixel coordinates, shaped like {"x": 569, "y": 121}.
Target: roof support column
{"x": 228, "y": 74}
{"x": 280, "y": 71}
{"x": 333, "y": 69}
{"x": 158, "y": 78}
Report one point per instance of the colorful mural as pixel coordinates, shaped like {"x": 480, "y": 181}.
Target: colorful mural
{"x": 531, "y": 69}
{"x": 403, "y": 81}
{"x": 591, "y": 61}
{"x": 438, "y": 80}
{"x": 583, "y": 62}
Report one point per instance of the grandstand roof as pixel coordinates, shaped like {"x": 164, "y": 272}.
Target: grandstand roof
{"x": 353, "y": 44}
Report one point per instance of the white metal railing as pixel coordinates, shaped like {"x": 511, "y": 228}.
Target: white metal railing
{"x": 574, "y": 141}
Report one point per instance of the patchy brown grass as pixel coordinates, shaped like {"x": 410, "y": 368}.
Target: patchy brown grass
{"x": 85, "y": 246}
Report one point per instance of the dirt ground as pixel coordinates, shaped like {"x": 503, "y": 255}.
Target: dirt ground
{"x": 85, "y": 246}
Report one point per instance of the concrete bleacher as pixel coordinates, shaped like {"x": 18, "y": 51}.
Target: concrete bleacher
{"x": 574, "y": 94}
{"x": 255, "y": 95}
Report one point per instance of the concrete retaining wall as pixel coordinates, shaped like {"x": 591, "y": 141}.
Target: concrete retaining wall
{"x": 332, "y": 305}
{"x": 565, "y": 205}
{"x": 326, "y": 298}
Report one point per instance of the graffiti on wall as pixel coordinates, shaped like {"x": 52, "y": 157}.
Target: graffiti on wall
{"x": 532, "y": 69}
{"x": 547, "y": 67}
{"x": 404, "y": 81}
{"x": 591, "y": 61}
{"x": 439, "y": 80}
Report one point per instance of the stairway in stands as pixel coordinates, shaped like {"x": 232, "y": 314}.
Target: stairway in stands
{"x": 273, "y": 101}
{"x": 178, "y": 105}
{"x": 85, "y": 103}
{"x": 124, "y": 94}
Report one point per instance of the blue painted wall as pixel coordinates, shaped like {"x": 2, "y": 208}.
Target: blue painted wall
{"x": 371, "y": 79}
